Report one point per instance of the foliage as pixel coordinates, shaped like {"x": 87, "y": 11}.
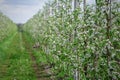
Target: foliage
{"x": 80, "y": 41}
{"x": 7, "y": 27}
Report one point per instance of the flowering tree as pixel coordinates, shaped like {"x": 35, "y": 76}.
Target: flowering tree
{"x": 81, "y": 40}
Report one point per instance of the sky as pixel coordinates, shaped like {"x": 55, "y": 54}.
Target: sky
{"x": 20, "y": 11}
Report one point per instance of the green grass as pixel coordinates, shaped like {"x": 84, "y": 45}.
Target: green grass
{"x": 40, "y": 55}
{"x": 15, "y": 63}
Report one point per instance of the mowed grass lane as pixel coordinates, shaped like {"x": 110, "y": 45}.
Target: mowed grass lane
{"x": 15, "y": 63}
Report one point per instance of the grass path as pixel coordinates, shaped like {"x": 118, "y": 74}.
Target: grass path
{"x": 19, "y": 61}
{"x": 15, "y": 63}
{"x": 40, "y": 72}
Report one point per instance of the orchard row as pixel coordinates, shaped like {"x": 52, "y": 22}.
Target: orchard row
{"x": 81, "y": 41}
{"x": 7, "y": 27}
